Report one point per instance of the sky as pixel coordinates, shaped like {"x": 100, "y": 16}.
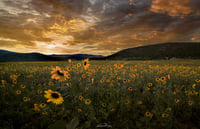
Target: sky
{"x": 99, "y": 27}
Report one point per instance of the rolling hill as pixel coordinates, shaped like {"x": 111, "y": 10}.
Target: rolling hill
{"x": 186, "y": 50}
{"x": 14, "y": 56}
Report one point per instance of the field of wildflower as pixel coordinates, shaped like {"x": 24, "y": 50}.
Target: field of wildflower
{"x": 100, "y": 94}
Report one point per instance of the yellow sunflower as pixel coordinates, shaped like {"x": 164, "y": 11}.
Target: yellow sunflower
{"x": 79, "y": 110}
{"x": 44, "y": 113}
{"x": 130, "y": 88}
{"x": 163, "y": 79}
{"x": 18, "y": 92}
{"x": 22, "y": 86}
{"x": 53, "y": 96}
{"x": 158, "y": 79}
{"x": 103, "y": 104}
{"x": 80, "y": 98}
{"x": 68, "y": 69}
{"x": 69, "y": 60}
{"x": 58, "y": 74}
{"x": 139, "y": 102}
{"x": 127, "y": 102}
{"x": 176, "y": 100}
{"x": 85, "y": 63}
{"x": 125, "y": 80}
{"x": 36, "y": 108}
{"x": 190, "y": 103}
{"x": 43, "y": 105}
{"x": 149, "y": 84}
{"x": 164, "y": 115}
{"x": 87, "y": 101}
{"x": 197, "y": 80}
{"x": 26, "y": 99}
{"x": 148, "y": 114}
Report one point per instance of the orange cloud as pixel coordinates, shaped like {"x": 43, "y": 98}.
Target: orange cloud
{"x": 62, "y": 25}
{"x": 144, "y": 36}
{"x": 178, "y": 8}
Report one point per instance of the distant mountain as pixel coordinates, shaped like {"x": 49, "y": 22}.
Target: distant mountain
{"x": 14, "y": 56}
{"x": 77, "y": 56}
{"x": 189, "y": 50}
{"x": 26, "y": 57}
{"x": 5, "y": 51}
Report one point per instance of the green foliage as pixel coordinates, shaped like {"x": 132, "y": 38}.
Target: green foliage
{"x": 60, "y": 124}
{"x": 72, "y": 124}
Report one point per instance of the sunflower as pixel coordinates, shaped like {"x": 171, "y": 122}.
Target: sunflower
{"x": 68, "y": 69}
{"x": 44, "y": 113}
{"x": 39, "y": 91}
{"x": 26, "y": 99}
{"x": 190, "y": 103}
{"x": 86, "y": 88}
{"x": 164, "y": 115}
{"x": 87, "y": 101}
{"x": 125, "y": 80}
{"x": 101, "y": 81}
{"x": 168, "y": 76}
{"x": 69, "y": 60}
{"x": 197, "y": 80}
{"x": 103, "y": 104}
{"x": 127, "y": 102}
{"x": 23, "y": 86}
{"x": 53, "y": 96}
{"x": 80, "y": 98}
{"x": 85, "y": 63}
{"x": 186, "y": 92}
{"x": 150, "y": 84}
{"x": 163, "y": 79}
{"x": 50, "y": 83}
{"x": 78, "y": 65}
{"x": 163, "y": 91}
{"x": 43, "y": 105}
{"x": 168, "y": 110}
{"x": 115, "y": 65}
{"x": 112, "y": 109}
{"x": 158, "y": 79}
{"x": 147, "y": 88}
{"x": 58, "y": 74}
{"x": 177, "y": 100}
{"x": 130, "y": 88}
{"x": 118, "y": 77}
{"x": 139, "y": 102}
{"x": 194, "y": 86}
{"x": 148, "y": 114}
{"x": 18, "y": 92}
{"x": 36, "y": 107}
{"x": 83, "y": 76}
{"x": 15, "y": 81}
{"x": 120, "y": 66}
{"x": 79, "y": 110}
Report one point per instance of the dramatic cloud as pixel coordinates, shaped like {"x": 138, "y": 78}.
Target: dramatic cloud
{"x": 95, "y": 26}
{"x": 180, "y": 8}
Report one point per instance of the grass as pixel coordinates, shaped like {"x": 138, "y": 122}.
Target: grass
{"x": 124, "y": 95}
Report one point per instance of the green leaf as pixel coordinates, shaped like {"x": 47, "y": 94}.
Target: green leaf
{"x": 87, "y": 124}
{"x": 73, "y": 123}
{"x": 60, "y": 124}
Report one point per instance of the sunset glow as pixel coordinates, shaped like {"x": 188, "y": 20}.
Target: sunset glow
{"x": 100, "y": 27}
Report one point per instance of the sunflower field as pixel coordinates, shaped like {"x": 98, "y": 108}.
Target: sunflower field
{"x": 100, "y": 94}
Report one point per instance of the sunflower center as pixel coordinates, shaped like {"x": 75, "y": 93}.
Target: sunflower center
{"x": 55, "y": 95}
{"x": 85, "y": 63}
{"x": 59, "y": 73}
